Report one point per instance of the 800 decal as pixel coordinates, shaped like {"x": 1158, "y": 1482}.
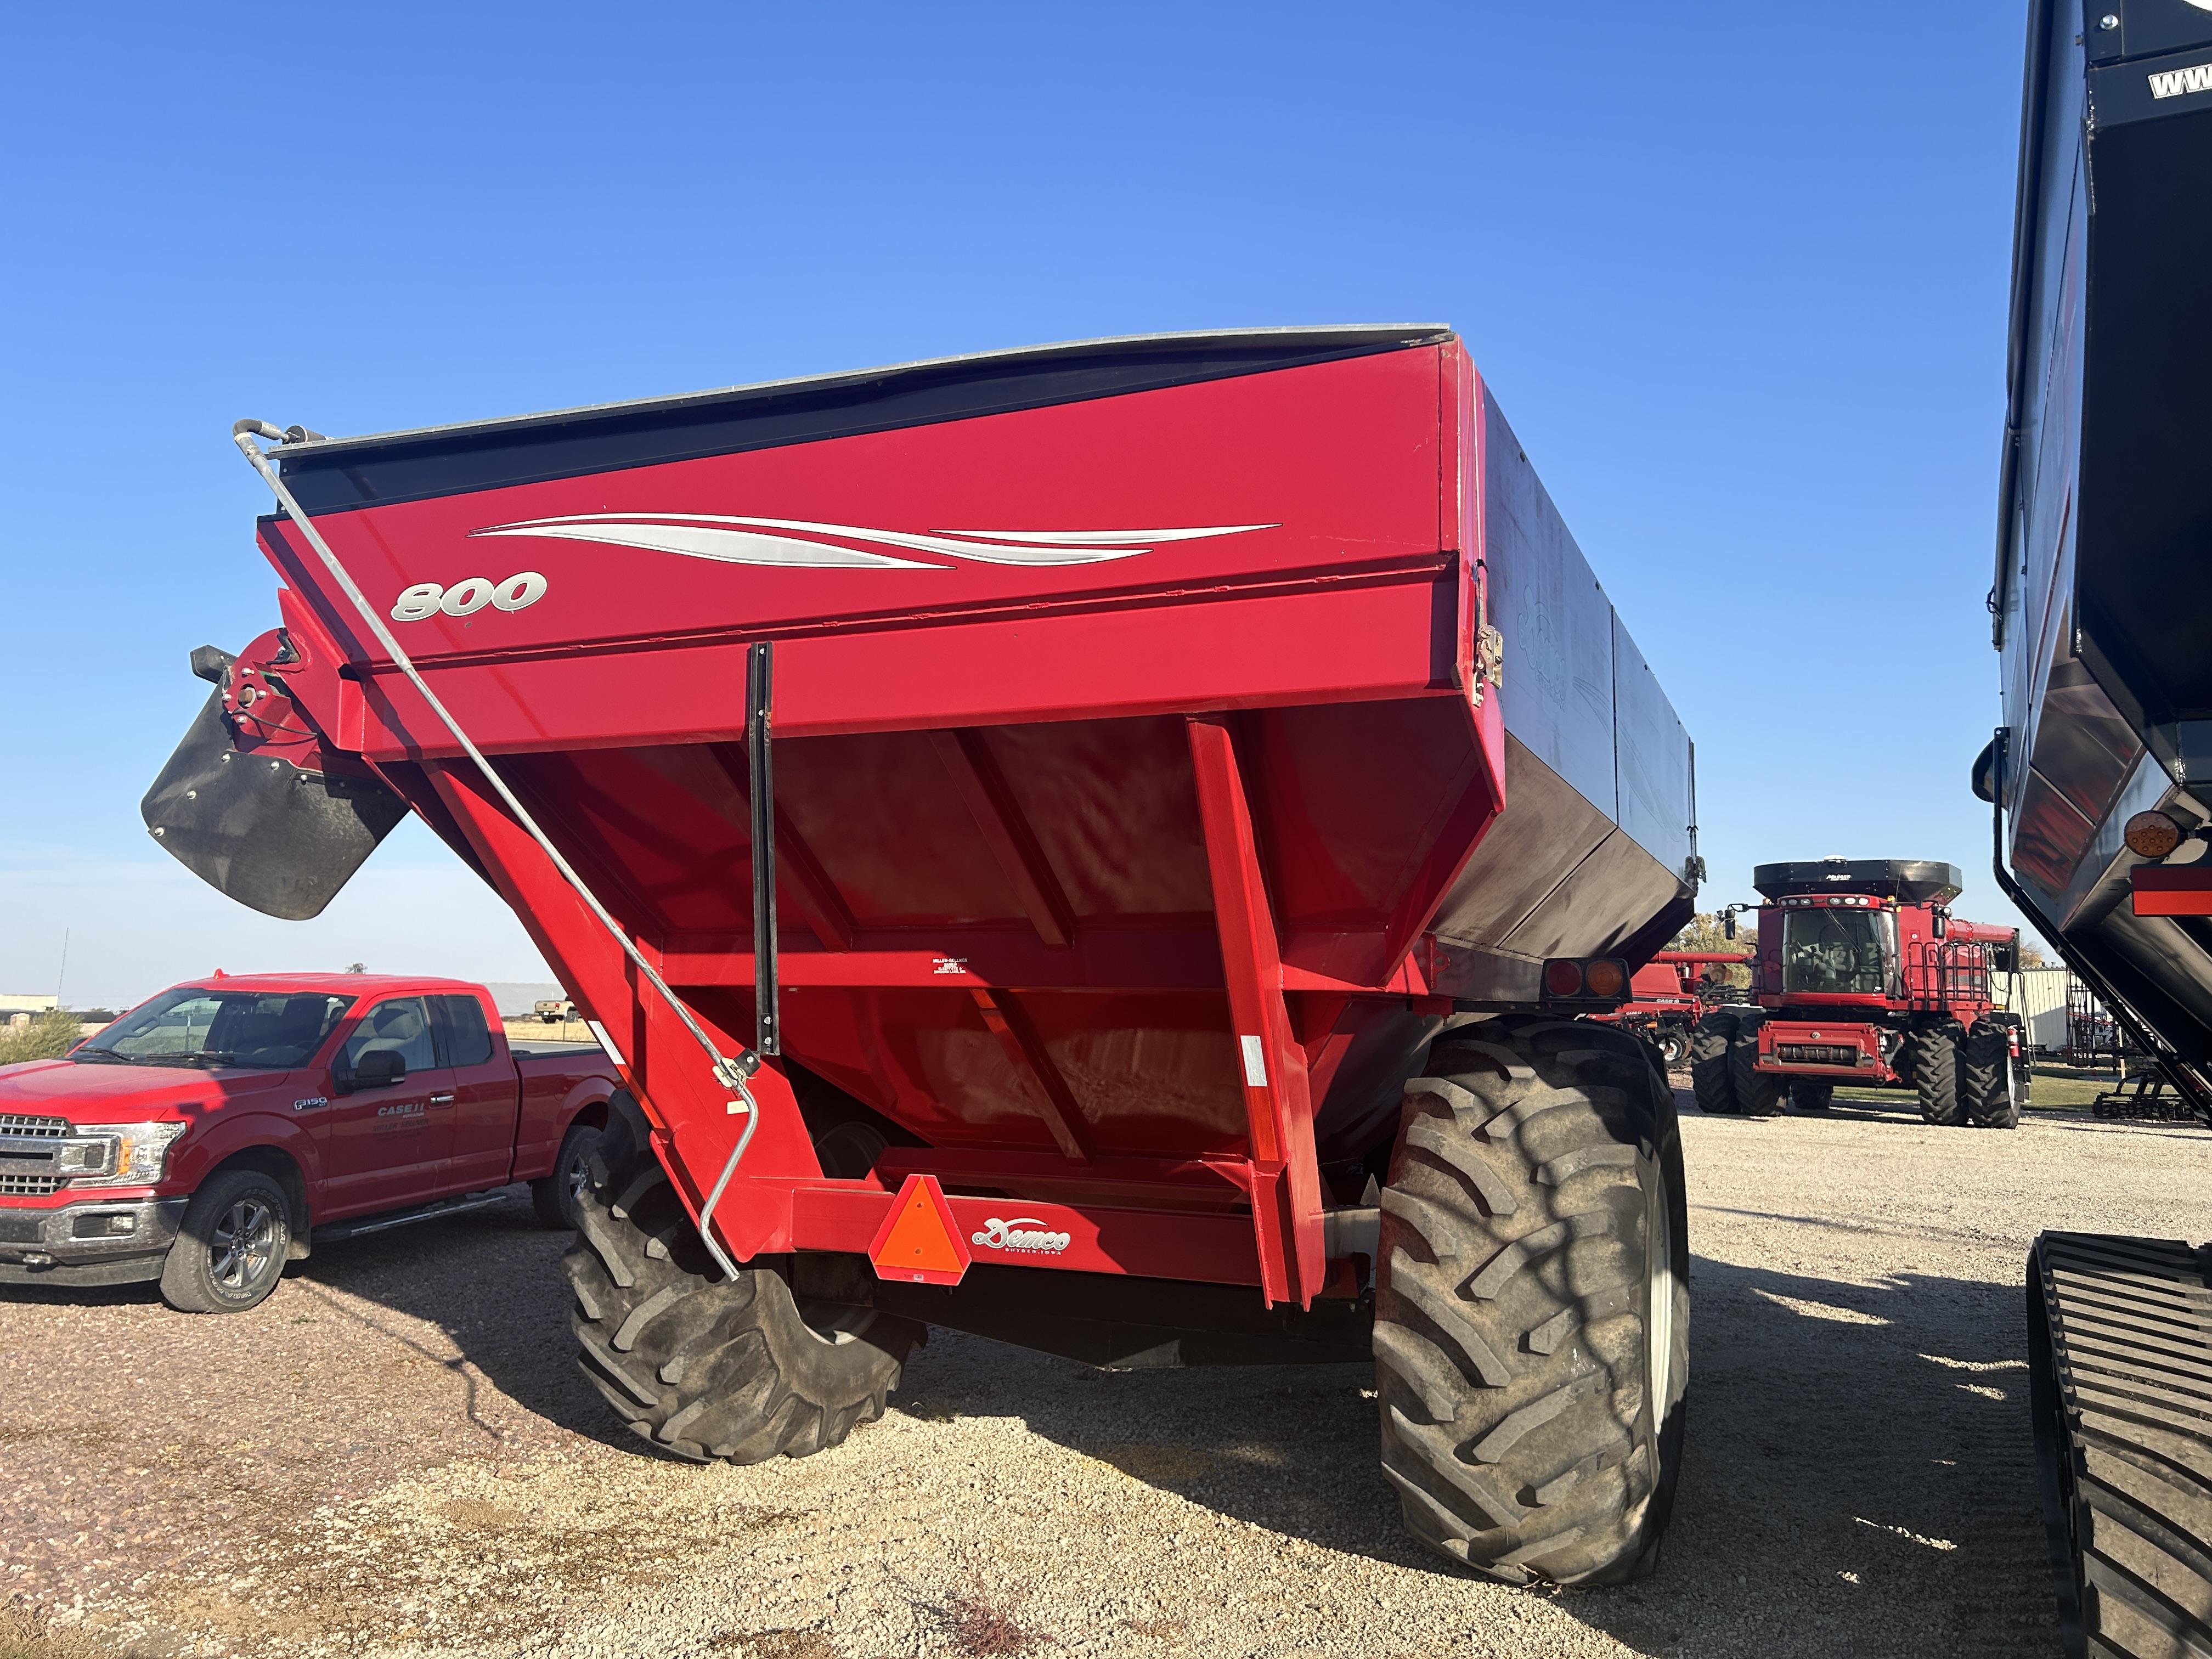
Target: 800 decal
{"x": 467, "y": 596}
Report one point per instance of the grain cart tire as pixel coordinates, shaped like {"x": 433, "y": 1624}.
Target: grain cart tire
{"x": 1935, "y": 1075}
{"x": 231, "y": 1246}
{"x": 1985, "y": 1097}
{"x": 2115, "y": 1393}
{"x": 1710, "y": 1082}
{"x": 703, "y": 1366}
{"x": 1758, "y": 1094}
{"x": 1806, "y": 1096}
{"x": 1532, "y": 1320}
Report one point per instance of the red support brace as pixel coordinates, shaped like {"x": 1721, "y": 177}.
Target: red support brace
{"x": 1286, "y": 1221}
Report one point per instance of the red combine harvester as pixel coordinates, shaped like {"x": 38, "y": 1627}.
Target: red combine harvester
{"x": 1863, "y": 976}
{"x": 1153, "y": 945}
{"x": 1666, "y": 998}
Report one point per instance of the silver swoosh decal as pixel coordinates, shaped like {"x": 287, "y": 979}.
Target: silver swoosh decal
{"x": 736, "y": 540}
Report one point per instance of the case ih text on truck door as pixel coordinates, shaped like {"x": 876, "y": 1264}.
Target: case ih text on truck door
{"x": 1205, "y": 781}
{"x": 211, "y": 1134}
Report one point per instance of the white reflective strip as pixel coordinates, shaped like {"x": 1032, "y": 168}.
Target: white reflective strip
{"x": 606, "y": 1042}
{"x": 1255, "y": 1062}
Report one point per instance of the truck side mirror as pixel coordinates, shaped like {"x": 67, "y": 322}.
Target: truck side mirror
{"x": 379, "y": 1068}
{"x": 1727, "y": 924}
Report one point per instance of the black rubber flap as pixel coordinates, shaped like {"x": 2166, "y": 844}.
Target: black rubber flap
{"x": 1910, "y": 881}
{"x": 260, "y": 829}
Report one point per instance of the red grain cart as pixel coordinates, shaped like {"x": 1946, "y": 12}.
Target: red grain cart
{"x": 1863, "y": 977}
{"x": 1155, "y": 940}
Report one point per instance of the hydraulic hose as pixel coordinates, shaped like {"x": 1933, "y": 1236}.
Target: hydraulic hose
{"x": 731, "y": 1071}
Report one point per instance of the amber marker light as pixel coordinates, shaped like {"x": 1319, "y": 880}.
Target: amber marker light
{"x": 1606, "y": 978}
{"x": 2151, "y": 834}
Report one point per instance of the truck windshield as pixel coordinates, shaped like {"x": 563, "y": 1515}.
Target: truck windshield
{"x": 192, "y": 1025}
{"x": 1837, "y": 951}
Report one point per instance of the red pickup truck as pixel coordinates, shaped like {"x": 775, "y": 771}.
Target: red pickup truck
{"x": 219, "y": 1130}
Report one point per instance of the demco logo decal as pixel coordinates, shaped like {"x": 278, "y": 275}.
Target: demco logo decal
{"x": 1024, "y": 1235}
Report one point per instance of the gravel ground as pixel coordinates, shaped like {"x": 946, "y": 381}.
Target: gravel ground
{"x": 395, "y": 1456}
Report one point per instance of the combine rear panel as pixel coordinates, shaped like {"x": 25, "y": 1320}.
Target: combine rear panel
{"x": 1148, "y": 788}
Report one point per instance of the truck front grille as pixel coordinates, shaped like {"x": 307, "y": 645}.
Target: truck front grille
{"x": 1816, "y": 1054}
{"x": 29, "y": 1185}
{"x": 19, "y": 1123}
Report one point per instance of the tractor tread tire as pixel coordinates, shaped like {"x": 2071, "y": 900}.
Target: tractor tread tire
{"x": 1758, "y": 1094}
{"x": 1935, "y": 1076}
{"x": 702, "y": 1366}
{"x": 1985, "y": 1071}
{"x": 1511, "y": 1338}
{"x": 2121, "y": 1438}
{"x": 1710, "y": 1082}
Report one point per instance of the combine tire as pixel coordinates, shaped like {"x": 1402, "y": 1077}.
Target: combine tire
{"x": 1935, "y": 1075}
{"x": 2119, "y": 1369}
{"x": 1709, "y": 1064}
{"x": 703, "y": 1366}
{"x": 1758, "y": 1094}
{"x": 1532, "y": 1320}
{"x": 1985, "y": 1096}
{"x": 1812, "y": 1096}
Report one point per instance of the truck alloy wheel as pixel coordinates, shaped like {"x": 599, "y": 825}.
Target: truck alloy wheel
{"x": 231, "y": 1247}
{"x": 1532, "y": 1316}
{"x": 703, "y": 1366}
{"x": 554, "y": 1197}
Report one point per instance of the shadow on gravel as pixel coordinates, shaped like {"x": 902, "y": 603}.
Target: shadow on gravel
{"x": 1858, "y": 1466}
{"x": 490, "y": 1279}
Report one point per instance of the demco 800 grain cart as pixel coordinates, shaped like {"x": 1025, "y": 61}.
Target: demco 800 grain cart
{"x": 1205, "y": 781}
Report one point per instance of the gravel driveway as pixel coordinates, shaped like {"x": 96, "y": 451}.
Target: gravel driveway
{"x": 394, "y": 1456}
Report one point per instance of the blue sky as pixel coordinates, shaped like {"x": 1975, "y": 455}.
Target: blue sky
{"x": 1739, "y": 282}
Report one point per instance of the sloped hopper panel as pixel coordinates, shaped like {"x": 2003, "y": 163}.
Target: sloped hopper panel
{"x": 259, "y": 830}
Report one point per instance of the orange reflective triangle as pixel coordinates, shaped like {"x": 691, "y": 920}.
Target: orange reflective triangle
{"x": 920, "y": 1243}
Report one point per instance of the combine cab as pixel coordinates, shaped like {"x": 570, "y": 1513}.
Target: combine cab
{"x": 1101, "y": 847}
{"x": 1863, "y": 976}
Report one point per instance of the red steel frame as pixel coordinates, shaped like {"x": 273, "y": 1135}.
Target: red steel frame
{"x": 1305, "y": 631}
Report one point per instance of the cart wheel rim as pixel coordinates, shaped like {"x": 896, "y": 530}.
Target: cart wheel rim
{"x": 1659, "y": 1303}
{"x": 242, "y": 1248}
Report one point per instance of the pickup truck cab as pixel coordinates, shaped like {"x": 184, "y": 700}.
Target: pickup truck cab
{"x": 217, "y": 1131}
